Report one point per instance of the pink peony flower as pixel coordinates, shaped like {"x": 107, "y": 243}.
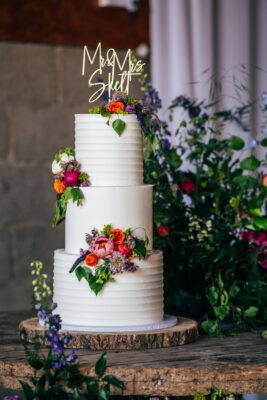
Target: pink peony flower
{"x": 188, "y": 186}
{"x": 102, "y": 247}
{"x": 71, "y": 178}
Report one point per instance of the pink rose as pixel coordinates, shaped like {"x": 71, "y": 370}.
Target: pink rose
{"x": 102, "y": 247}
{"x": 188, "y": 186}
{"x": 71, "y": 178}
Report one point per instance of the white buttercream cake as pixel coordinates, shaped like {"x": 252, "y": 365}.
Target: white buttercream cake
{"x": 116, "y": 196}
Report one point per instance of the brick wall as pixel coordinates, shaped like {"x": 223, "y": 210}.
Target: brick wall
{"x": 41, "y": 88}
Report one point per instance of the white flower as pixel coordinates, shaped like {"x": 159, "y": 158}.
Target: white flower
{"x": 56, "y": 167}
{"x": 65, "y": 158}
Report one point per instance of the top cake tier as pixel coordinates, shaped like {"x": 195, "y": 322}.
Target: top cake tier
{"x": 109, "y": 159}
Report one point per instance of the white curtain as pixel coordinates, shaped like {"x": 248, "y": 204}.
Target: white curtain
{"x": 191, "y": 36}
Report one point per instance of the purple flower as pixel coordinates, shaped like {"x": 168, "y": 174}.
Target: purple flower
{"x": 57, "y": 364}
{"x": 119, "y": 264}
{"x": 82, "y": 252}
{"x": 166, "y": 144}
{"x": 41, "y": 315}
{"x": 130, "y": 109}
{"x": 85, "y": 183}
{"x": 194, "y": 111}
{"x": 264, "y": 101}
{"x": 152, "y": 101}
{"x": 155, "y": 125}
{"x": 15, "y": 397}
{"x": 72, "y": 357}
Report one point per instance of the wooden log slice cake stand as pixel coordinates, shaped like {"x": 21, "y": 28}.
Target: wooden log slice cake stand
{"x": 185, "y": 331}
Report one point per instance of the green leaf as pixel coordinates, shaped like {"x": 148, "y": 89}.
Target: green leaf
{"x": 112, "y": 380}
{"x": 245, "y": 182}
{"x": 104, "y": 112}
{"x": 251, "y": 312}
{"x": 211, "y": 327}
{"x": 264, "y": 142}
{"x": 78, "y": 395}
{"x": 118, "y": 125}
{"x": 36, "y": 364}
{"x": 221, "y": 311}
{"x": 104, "y": 393}
{"x": 234, "y": 290}
{"x": 27, "y": 390}
{"x": 234, "y": 202}
{"x": 91, "y": 384}
{"x": 260, "y": 222}
{"x": 140, "y": 248}
{"x": 41, "y": 383}
{"x": 76, "y": 194}
{"x": 101, "y": 365}
{"x": 236, "y": 142}
{"x": 212, "y": 295}
{"x": 79, "y": 271}
{"x": 256, "y": 212}
{"x": 173, "y": 158}
{"x": 250, "y": 163}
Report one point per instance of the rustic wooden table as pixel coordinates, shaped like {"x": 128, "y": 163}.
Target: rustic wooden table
{"x": 235, "y": 364}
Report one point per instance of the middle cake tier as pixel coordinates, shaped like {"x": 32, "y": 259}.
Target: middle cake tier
{"x": 122, "y": 206}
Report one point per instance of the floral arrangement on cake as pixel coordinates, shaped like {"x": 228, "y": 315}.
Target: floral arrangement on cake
{"x": 121, "y": 104}
{"x": 110, "y": 252}
{"x": 68, "y": 178}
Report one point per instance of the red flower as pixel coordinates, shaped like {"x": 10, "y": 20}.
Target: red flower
{"x": 118, "y": 236}
{"x": 91, "y": 260}
{"x": 125, "y": 250}
{"x": 247, "y": 236}
{"x": 188, "y": 186}
{"x": 163, "y": 230}
{"x": 71, "y": 178}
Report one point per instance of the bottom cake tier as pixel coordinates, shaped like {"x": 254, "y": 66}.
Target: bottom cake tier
{"x": 134, "y": 299}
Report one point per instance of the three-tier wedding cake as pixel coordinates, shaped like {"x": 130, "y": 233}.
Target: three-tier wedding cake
{"x": 116, "y": 196}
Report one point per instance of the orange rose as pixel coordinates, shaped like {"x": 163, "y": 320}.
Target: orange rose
{"x": 91, "y": 259}
{"x": 59, "y": 186}
{"x": 118, "y": 236}
{"x": 264, "y": 180}
{"x": 115, "y": 106}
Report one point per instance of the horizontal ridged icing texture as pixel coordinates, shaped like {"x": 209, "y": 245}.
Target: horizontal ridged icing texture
{"x": 134, "y": 299}
{"x": 123, "y": 207}
{"x": 109, "y": 159}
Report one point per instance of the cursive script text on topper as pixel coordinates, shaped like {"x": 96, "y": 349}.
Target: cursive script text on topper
{"x": 119, "y": 73}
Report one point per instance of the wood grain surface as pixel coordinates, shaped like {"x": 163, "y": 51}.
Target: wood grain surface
{"x": 235, "y": 364}
{"x": 68, "y": 22}
{"x": 184, "y": 332}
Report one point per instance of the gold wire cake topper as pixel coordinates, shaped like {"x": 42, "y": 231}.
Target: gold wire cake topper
{"x": 119, "y": 73}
